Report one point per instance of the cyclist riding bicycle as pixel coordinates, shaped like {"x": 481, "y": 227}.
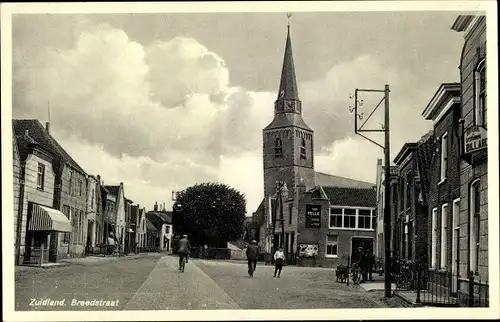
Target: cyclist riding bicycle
{"x": 184, "y": 250}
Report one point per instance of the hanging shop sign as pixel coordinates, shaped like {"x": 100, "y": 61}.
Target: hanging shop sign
{"x": 475, "y": 139}
{"x": 313, "y": 216}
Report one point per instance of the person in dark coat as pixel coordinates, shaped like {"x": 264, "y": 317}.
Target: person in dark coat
{"x": 363, "y": 264}
{"x": 184, "y": 249}
{"x": 252, "y": 254}
{"x": 370, "y": 260}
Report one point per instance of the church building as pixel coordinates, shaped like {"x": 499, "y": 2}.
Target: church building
{"x": 318, "y": 219}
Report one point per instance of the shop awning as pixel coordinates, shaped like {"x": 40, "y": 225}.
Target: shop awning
{"x": 48, "y": 219}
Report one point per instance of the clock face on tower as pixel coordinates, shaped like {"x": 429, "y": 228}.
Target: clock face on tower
{"x": 289, "y": 105}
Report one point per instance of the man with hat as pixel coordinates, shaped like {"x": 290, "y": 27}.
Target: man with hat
{"x": 252, "y": 254}
{"x": 184, "y": 249}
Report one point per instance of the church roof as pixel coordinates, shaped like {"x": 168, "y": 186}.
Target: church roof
{"x": 288, "y": 84}
{"x": 323, "y": 179}
{"x": 286, "y": 120}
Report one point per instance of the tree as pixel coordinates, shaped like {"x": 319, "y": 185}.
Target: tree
{"x": 210, "y": 213}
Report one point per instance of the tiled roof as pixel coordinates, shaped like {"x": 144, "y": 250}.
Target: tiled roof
{"x": 149, "y": 225}
{"x": 159, "y": 218}
{"x": 323, "y": 179}
{"x": 351, "y": 196}
{"x": 40, "y": 135}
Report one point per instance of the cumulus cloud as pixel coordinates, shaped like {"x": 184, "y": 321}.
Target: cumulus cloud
{"x": 165, "y": 116}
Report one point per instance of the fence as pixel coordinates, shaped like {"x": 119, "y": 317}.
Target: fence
{"x": 441, "y": 288}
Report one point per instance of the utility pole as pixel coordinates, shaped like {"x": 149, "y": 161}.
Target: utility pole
{"x": 387, "y": 170}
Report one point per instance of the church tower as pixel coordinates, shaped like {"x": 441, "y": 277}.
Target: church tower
{"x": 287, "y": 141}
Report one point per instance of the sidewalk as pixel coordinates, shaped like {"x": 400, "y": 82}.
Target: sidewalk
{"x": 87, "y": 260}
{"x": 166, "y": 288}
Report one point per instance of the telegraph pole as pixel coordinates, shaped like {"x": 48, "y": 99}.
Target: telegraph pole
{"x": 387, "y": 200}
{"x": 387, "y": 169}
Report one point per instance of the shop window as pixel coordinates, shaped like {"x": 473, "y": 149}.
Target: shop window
{"x": 332, "y": 246}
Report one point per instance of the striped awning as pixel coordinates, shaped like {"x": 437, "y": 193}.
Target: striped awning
{"x": 48, "y": 219}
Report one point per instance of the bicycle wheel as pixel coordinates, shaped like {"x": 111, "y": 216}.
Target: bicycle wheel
{"x": 183, "y": 263}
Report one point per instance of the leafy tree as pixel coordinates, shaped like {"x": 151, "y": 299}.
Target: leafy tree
{"x": 210, "y": 213}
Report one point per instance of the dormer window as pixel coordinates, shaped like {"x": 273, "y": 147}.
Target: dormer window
{"x": 278, "y": 148}
{"x": 303, "y": 149}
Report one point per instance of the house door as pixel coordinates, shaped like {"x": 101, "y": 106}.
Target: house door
{"x": 360, "y": 242}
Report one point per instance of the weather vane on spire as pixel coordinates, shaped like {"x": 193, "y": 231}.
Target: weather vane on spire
{"x": 288, "y": 16}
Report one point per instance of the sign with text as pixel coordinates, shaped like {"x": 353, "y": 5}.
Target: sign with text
{"x": 313, "y": 216}
{"x": 475, "y": 139}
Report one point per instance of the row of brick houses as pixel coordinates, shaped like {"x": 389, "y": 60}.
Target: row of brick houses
{"x": 439, "y": 186}
{"x": 61, "y": 211}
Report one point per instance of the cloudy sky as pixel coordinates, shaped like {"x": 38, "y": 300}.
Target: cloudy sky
{"x": 163, "y": 101}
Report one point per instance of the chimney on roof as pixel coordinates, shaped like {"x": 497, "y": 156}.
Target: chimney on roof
{"x": 156, "y": 206}
{"x": 47, "y": 127}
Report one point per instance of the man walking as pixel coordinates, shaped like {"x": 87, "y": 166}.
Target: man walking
{"x": 252, "y": 254}
{"x": 184, "y": 250}
{"x": 279, "y": 257}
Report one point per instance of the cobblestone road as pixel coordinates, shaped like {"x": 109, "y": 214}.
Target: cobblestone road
{"x": 154, "y": 283}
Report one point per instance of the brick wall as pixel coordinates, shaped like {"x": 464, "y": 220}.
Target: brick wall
{"x": 474, "y": 49}
{"x": 16, "y": 168}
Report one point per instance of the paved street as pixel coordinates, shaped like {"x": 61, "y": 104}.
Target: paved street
{"x": 154, "y": 283}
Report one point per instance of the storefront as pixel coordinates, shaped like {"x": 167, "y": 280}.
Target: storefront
{"x": 44, "y": 223}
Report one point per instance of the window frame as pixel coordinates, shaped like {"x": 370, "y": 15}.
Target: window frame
{"x": 475, "y": 221}
{"x": 40, "y": 178}
{"x": 434, "y": 238}
{"x": 356, "y": 216}
{"x": 303, "y": 151}
{"x": 444, "y": 235}
{"x": 443, "y": 168}
{"x": 331, "y": 243}
{"x": 480, "y": 94}
{"x": 278, "y": 148}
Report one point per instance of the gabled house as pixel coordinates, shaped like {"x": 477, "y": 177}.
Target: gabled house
{"x": 141, "y": 229}
{"x": 115, "y": 208}
{"x": 410, "y": 227}
{"x": 162, "y": 220}
{"x": 63, "y": 189}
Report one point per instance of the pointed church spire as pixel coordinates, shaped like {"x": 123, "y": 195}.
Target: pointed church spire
{"x": 288, "y": 84}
